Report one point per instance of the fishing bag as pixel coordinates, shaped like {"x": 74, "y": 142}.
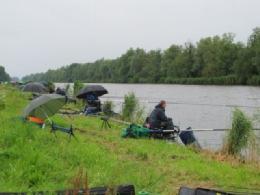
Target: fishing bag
{"x": 135, "y": 131}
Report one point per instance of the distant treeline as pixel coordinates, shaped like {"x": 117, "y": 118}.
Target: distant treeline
{"x": 3, "y": 75}
{"x": 212, "y": 60}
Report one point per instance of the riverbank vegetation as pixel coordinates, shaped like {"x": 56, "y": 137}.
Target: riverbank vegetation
{"x": 240, "y": 133}
{"x": 132, "y": 111}
{"x": 3, "y": 75}
{"x": 241, "y": 142}
{"x": 34, "y": 159}
{"x": 212, "y": 60}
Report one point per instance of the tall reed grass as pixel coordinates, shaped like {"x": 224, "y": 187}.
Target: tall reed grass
{"x": 108, "y": 107}
{"x": 132, "y": 110}
{"x": 240, "y": 134}
{"x": 77, "y": 87}
{"x": 2, "y": 103}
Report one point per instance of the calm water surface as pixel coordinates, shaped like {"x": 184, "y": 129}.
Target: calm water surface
{"x": 200, "y": 107}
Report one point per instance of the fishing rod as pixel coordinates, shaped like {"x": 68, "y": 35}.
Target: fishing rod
{"x": 255, "y": 129}
{"x": 188, "y": 129}
{"x": 105, "y": 120}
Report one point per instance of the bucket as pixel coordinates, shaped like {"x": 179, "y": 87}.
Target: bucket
{"x": 187, "y": 137}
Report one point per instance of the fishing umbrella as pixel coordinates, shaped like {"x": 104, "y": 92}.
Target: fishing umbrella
{"x": 35, "y": 87}
{"x": 98, "y": 90}
{"x": 48, "y": 85}
{"x": 45, "y": 106}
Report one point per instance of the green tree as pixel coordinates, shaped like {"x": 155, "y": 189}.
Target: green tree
{"x": 248, "y": 61}
{"x": 254, "y": 47}
{"x": 183, "y": 63}
{"x": 168, "y": 58}
{"x": 152, "y": 68}
{"x": 3, "y": 75}
{"x": 216, "y": 55}
{"x": 220, "y": 57}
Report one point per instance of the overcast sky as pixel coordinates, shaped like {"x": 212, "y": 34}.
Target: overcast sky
{"x": 37, "y": 35}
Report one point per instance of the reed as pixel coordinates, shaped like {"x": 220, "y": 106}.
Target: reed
{"x": 80, "y": 181}
{"x": 2, "y": 103}
{"x": 131, "y": 109}
{"x": 77, "y": 87}
{"x": 240, "y": 133}
{"x": 108, "y": 107}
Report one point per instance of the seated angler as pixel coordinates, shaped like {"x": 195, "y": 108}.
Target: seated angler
{"x": 93, "y": 104}
{"x": 158, "y": 119}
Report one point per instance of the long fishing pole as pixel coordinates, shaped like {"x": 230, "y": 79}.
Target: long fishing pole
{"x": 195, "y": 129}
{"x": 255, "y": 129}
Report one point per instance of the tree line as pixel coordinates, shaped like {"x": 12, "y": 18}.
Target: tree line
{"x": 212, "y": 60}
{"x": 3, "y": 75}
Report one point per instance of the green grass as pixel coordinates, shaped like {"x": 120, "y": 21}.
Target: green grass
{"x": 33, "y": 159}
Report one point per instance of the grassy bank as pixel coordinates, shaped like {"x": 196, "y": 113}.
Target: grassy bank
{"x": 33, "y": 159}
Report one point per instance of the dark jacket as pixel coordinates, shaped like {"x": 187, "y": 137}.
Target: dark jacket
{"x": 157, "y": 117}
{"x": 61, "y": 91}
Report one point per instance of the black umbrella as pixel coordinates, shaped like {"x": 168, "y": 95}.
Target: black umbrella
{"x": 98, "y": 90}
{"x": 35, "y": 87}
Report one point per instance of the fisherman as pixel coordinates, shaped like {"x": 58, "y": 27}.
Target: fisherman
{"x": 93, "y": 104}
{"x": 60, "y": 91}
{"x": 158, "y": 119}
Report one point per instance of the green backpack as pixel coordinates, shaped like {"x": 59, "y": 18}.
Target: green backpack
{"x": 135, "y": 131}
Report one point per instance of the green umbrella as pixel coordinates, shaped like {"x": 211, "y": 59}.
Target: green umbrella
{"x": 45, "y": 106}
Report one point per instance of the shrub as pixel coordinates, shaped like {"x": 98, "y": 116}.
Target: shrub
{"x": 131, "y": 109}
{"x": 129, "y": 106}
{"x": 77, "y": 87}
{"x": 238, "y": 136}
{"x": 2, "y": 103}
{"x": 69, "y": 91}
{"x": 50, "y": 86}
{"x": 254, "y": 147}
{"x": 108, "y": 107}
{"x": 254, "y": 80}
